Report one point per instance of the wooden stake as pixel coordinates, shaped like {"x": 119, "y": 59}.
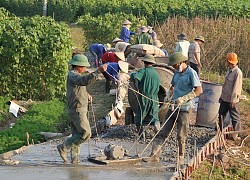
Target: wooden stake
{"x": 27, "y": 138}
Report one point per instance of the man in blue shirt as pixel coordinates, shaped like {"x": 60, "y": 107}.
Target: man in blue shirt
{"x": 112, "y": 73}
{"x": 97, "y": 50}
{"x": 125, "y": 32}
{"x": 185, "y": 86}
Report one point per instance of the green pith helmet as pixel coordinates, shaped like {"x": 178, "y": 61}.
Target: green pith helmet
{"x": 149, "y": 58}
{"x": 79, "y": 60}
{"x": 201, "y": 38}
{"x": 176, "y": 58}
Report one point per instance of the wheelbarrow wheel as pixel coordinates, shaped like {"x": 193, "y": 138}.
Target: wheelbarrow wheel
{"x": 129, "y": 116}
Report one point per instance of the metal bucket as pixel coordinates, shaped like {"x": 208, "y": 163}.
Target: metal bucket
{"x": 208, "y": 105}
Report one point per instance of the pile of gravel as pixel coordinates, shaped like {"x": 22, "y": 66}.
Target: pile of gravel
{"x": 196, "y": 135}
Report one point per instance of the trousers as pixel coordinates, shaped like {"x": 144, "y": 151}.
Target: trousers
{"x": 182, "y": 128}
{"x": 80, "y": 129}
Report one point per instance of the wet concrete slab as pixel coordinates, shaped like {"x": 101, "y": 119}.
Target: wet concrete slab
{"x": 42, "y": 161}
{"x": 75, "y": 173}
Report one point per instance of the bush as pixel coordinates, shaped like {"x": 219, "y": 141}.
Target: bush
{"x": 104, "y": 28}
{"x": 34, "y": 53}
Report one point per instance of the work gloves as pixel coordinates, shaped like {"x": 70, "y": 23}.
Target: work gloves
{"x": 184, "y": 98}
{"x": 169, "y": 95}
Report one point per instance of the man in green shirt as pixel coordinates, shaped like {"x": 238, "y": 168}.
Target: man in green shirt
{"x": 148, "y": 82}
{"x": 144, "y": 37}
{"x": 77, "y": 106}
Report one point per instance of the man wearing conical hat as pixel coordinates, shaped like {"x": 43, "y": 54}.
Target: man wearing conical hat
{"x": 113, "y": 70}
{"x": 152, "y": 33}
{"x": 113, "y": 57}
{"x": 125, "y": 34}
{"x": 158, "y": 44}
{"x": 97, "y": 50}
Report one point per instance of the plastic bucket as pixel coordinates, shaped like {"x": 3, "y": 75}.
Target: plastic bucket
{"x": 208, "y": 105}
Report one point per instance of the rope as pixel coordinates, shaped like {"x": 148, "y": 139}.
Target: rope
{"x": 178, "y": 107}
{"x": 134, "y": 89}
{"x": 93, "y": 114}
{"x": 89, "y": 138}
{"x": 92, "y": 109}
{"x": 159, "y": 102}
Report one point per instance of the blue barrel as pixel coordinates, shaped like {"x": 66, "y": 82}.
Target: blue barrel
{"x": 208, "y": 104}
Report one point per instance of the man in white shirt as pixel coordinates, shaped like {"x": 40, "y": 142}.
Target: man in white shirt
{"x": 183, "y": 44}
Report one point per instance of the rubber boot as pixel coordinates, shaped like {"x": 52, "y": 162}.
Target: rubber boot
{"x": 156, "y": 152}
{"x": 108, "y": 86}
{"x": 181, "y": 153}
{"x": 75, "y": 153}
{"x": 157, "y": 126}
{"x": 63, "y": 152}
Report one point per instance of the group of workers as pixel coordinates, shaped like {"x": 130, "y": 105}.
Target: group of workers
{"x": 185, "y": 85}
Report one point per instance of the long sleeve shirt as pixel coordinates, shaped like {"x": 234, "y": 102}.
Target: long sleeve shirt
{"x": 77, "y": 95}
{"x": 112, "y": 71}
{"x": 125, "y": 34}
{"x": 232, "y": 87}
{"x": 99, "y": 49}
{"x": 144, "y": 38}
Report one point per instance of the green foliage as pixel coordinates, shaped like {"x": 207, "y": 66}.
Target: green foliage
{"x": 109, "y": 25}
{"x": 3, "y": 109}
{"x": 217, "y": 78}
{"x": 154, "y": 10}
{"x": 239, "y": 172}
{"x": 40, "y": 117}
{"x": 35, "y": 53}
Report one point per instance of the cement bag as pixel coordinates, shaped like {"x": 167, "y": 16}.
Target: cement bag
{"x": 147, "y": 49}
{"x": 121, "y": 46}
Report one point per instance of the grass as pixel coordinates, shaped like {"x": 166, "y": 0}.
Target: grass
{"x": 78, "y": 38}
{"x": 234, "y": 171}
{"x": 49, "y": 116}
{"x": 43, "y": 116}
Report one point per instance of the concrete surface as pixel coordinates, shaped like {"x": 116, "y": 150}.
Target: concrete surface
{"x": 42, "y": 161}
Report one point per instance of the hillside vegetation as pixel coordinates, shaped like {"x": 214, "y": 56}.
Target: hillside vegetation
{"x": 153, "y": 10}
